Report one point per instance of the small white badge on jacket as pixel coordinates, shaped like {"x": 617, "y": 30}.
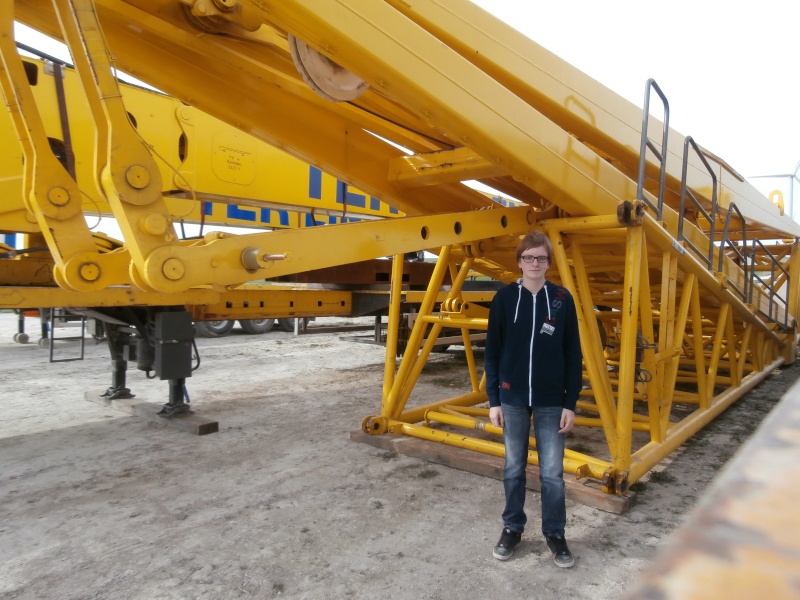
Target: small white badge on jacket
{"x": 548, "y": 329}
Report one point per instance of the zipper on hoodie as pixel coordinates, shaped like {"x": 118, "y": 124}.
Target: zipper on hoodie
{"x": 530, "y": 356}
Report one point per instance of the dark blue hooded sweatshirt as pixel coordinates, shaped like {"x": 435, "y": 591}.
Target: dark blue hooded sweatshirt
{"x": 533, "y": 350}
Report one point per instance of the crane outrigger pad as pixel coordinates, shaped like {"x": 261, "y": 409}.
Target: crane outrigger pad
{"x": 189, "y": 422}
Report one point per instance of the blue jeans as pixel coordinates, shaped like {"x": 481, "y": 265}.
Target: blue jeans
{"x": 550, "y": 446}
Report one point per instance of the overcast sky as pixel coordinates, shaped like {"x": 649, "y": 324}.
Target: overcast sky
{"x": 729, "y": 69}
{"x": 731, "y": 75}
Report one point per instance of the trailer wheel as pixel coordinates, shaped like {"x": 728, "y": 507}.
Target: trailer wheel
{"x": 213, "y": 329}
{"x": 288, "y": 324}
{"x": 257, "y": 326}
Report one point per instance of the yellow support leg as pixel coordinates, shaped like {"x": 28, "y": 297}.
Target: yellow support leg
{"x": 627, "y": 371}
{"x": 393, "y": 328}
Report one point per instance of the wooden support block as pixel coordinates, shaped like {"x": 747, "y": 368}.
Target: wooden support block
{"x": 191, "y": 423}
{"x": 585, "y": 491}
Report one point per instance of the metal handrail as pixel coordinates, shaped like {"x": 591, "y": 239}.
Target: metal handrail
{"x": 742, "y": 257}
{"x": 660, "y": 155}
{"x": 770, "y": 286}
{"x": 685, "y": 191}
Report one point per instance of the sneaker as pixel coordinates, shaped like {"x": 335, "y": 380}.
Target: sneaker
{"x": 509, "y": 540}
{"x": 561, "y": 554}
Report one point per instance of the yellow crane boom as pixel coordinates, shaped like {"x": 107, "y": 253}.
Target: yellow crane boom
{"x": 685, "y": 276}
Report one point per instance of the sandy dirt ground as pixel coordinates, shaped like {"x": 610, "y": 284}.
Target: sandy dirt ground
{"x": 280, "y": 503}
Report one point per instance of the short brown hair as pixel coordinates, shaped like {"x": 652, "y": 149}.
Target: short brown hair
{"x": 535, "y": 239}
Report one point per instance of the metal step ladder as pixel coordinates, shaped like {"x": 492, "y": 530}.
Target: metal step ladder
{"x": 61, "y": 320}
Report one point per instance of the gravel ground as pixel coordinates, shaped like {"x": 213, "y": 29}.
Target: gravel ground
{"x": 280, "y": 503}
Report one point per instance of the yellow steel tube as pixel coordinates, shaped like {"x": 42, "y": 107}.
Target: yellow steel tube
{"x": 594, "y": 422}
{"x": 392, "y": 405}
{"x": 583, "y": 224}
{"x": 697, "y": 335}
{"x": 580, "y": 466}
{"x": 592, "y": 407}
{"x": 473, "y": 370}
{"x": 344, "y": 243}
{"x": 417, "y": 414}
{"x": 460, "y": 277}
{"x": 670, "y": 370}
{"x": 393, "y": 328}
{"x": 666, "y": 334}
{"x": 744, "y": 352}
{"x": 451, "y": 439}
{"x": 466, "y": 410}
{"x": 430, "y": 342}
{"x": 449, "y": 416}
{"x": 648, "y": 331}
{"x": 621, "y": 453}
{"x": 406, "y": 364}
{"x": 733, "y": 359}
{"x": 467, "y": 422}
{"x": 457, "y": 285}
{"x": 593, "y": 357}
{"x": 651, "y": 454}
{"x": 455, "y": 320}
{"x": 716, "y": 352}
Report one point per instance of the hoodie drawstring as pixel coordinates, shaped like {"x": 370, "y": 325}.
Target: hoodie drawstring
{"x": 519, "y": 297}
{"x": 547, "y": 296}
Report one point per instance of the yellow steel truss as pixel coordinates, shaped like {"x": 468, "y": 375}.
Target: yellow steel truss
{"x": 665, "y": 350}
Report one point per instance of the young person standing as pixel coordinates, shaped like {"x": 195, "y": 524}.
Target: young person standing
{"x": 533, "y": 368}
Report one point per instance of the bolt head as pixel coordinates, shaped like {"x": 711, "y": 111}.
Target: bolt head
{"x": 138, "y": 177}
{"x": 89, "y": 271}
{"x": 58, "y": 196}
{"x": 173, "y": 269}
{"x": 155, "y": 224}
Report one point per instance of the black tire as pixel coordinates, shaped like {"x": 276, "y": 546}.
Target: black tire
{"x": 257, "y": 326}
{"x": 288, "y": 324}
{"x": 212, "y": 329}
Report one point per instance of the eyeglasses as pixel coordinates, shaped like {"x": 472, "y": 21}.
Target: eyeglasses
{"x": 529, "y": 259}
